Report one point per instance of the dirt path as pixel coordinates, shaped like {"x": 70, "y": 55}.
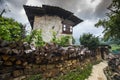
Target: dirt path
{"x": 97, "y": 72}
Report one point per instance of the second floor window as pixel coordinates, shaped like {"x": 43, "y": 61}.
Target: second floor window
{"x": 67, "y": 29}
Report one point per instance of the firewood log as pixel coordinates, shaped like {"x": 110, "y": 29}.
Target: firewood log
{"x": 17, "y": 73}
{"x": 12, "y": 59}
{"x": 25, "y": 63}
{"x": 4, "y": 43}
{"x": 5, "y": 50}
{"x": 8, "y": 63}
{"x": 18, "y": 62}
{"x": 5, "y": 57}
{"x": 15, "y": 51}
{"x": 13, "y": 45}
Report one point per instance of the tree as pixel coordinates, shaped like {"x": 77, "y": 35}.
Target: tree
{"x": 111, "y": 24}
{"x": 73, "y": 40}
{"x": 10, "y": 30}
{"x": 90, "y": 41}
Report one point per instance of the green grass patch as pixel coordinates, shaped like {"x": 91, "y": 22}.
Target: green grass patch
{"x": 35, "y": 77}
{"x": 115, "y": 47}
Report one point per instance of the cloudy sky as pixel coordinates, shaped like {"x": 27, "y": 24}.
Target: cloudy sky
{"x": 88, "y": 10}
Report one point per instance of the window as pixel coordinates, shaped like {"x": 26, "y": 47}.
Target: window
{"x": 71, "y": 28}
{"x": 64, "y": 27}
{"x": 67, "y": 29}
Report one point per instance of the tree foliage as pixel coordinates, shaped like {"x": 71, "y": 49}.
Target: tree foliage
{"x": 90, "y": 41}
{"x": 10, "y": 30}
{"x": 111, "y": 25}
{"x": 73, "y": 40}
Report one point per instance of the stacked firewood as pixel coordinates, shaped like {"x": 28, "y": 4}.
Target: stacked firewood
{"x": 20, "y": 58}
{"x": 113, "y": 69}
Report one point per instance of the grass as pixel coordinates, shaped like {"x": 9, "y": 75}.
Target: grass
{"x": 79, "y": 74}
{"x": 35, "y": 77}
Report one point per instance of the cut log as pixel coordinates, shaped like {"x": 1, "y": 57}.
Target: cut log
{"x": 12, "y": 59}
{"x": 13, "y": 45}
{"x": 51, "y": 73}
{"x": 4, "y": 43}
{"x": 8, "y": 63}
{"x": 5, "y": 57}
{"x": 15, "y": 51}
{"x": 17, "y": 73}
{"x": 5, "y": 50}
{"x": 28, "y": 71}
{"x": 5, "y": 76}
{"x": 25, "y": 64}
{"x": 18, "y": 62}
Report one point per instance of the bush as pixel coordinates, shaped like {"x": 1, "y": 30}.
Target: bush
{"x": 10, "y": 30}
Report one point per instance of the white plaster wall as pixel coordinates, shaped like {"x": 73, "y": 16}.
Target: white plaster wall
{"x": 46, "y": 23}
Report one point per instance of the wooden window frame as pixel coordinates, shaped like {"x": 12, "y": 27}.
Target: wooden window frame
{"x": 67, "y": 29}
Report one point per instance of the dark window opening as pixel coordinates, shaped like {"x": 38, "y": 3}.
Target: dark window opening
{"x": 67, "y": 29}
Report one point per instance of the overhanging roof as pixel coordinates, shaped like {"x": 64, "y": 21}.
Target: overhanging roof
{"x": 32, "y": 11}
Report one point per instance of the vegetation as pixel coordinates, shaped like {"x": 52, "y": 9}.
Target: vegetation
{"x": 62, "y": 41}
{"x": 111, "y": 25}
{"x": 35, "y": 77}
{"x": 90, "y": 41}
{"x": 115, "y": 47}
{"x": 10, "y": 30}
{"x": 36, "y": 37}
{"x": 80, "y": 73}
{"x": 73, "y": 40}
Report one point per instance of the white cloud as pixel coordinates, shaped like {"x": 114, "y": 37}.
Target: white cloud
{"x": 87, "y": 27}
{"x": 34, "y": 3}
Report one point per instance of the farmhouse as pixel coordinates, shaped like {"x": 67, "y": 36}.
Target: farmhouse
{"x": 51, "y": 18}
